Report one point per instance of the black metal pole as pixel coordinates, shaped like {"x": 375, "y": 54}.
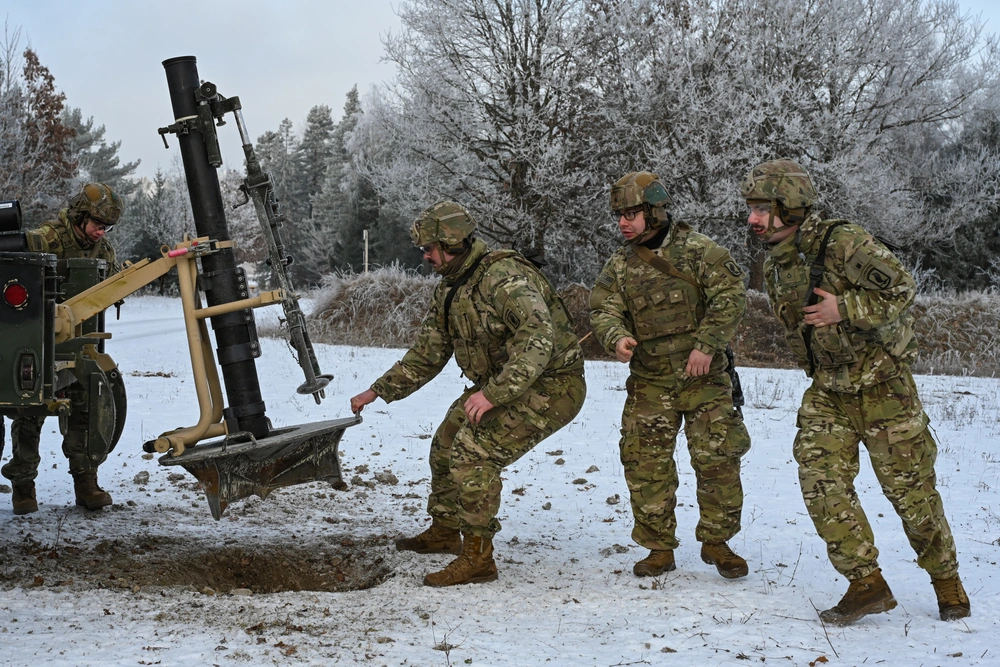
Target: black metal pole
{"x": 222, "y": 281}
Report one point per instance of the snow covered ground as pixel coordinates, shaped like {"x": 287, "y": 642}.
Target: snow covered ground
{"x": 566, "y": 594}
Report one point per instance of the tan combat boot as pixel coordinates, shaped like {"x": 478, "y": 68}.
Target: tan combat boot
{"x": 88, "y": 493}
{"x": 870, "y": 595}
{"x": 953, "y": 603}
{"x": 656, "y": 563}
{"x": 729, "y": 565}
{"x": 475, "y": 565}
{"x": 24, "y": 497}
{"x": 435, "y": 540}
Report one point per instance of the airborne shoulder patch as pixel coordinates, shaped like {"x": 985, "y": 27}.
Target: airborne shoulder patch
{"x": 733, "y": 268}
{"x": 877, "y": 277}
{"x": 864, "y": 269}
{"x": 512, "y": 319}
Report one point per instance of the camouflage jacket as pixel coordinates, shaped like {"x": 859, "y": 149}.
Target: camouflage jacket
{"x": 57, "y": 237}
{"x": 506, "y": 326}
{"x": 666, "y": 314}
{"x": 874, "y": 341}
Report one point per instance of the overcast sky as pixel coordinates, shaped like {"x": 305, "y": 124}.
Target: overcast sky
{"x": 281, "y": 59}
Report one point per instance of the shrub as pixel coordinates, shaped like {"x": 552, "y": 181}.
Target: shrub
{"x": 381, "y": 308}
{"x": 384, "y": 308}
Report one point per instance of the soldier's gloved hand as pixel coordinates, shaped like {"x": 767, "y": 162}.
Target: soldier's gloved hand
{"x": 361, "y": 400}
{"x": 624, "y": 347}
{"x": 698, "y": 364}
{"x": 476, "y": 406}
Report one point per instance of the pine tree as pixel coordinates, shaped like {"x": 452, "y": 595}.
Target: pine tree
{"x": 97, "y": 160}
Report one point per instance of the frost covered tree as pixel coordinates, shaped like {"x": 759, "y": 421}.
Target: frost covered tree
{"x": 495, "y": 107}
{"x": 348, "y": 206}
{"x": 527, "y": 111}
{"x": 96, "y": 158}
{"x": 36, "y": 165}
{"x": 845, "y": 87}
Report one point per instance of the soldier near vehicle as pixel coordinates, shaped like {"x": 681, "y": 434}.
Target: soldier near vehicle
{"x": 844, "y": 300}
{"x": 668, "y": 303}
{"x": 513, "y": 339}
{"x": 78, "y": 232}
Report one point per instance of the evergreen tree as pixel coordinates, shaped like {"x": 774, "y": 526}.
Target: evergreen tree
{"x": 97, "y": 160}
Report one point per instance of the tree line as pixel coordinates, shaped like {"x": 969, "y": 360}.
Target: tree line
{"x": 526, "y": 111}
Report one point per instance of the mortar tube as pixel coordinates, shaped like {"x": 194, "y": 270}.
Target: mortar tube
{"x": 232, "y": 331}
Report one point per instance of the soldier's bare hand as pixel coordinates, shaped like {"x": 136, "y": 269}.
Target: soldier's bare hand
{"x": 361, "y": 400}
{"x": 624, "y": 347}
{"x": 476, "y": 406}
{"x": 824, "y": 313}
{"x": 698, "y": 364}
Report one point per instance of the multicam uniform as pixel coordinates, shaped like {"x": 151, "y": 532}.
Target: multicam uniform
{"x": 513, "y": 339}
{"x": 56, "y": 237}
{"x": 669, "y": 317}
{"x": 862, "y": 391}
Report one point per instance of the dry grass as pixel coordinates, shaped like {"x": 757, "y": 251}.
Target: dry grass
{"x": 384, "y": 308}
{"x": 760, "y": 340}
{"x": 958, "y": 334}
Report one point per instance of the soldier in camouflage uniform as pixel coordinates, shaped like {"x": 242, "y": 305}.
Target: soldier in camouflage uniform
{"x": 78, "y": 232}
{"x": 668, "y": 302}
{"x": 513, "y": 339}
{"x": 853, "y": 335}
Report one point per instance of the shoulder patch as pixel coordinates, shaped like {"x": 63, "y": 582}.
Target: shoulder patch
{"x": 512, "y": 319}
{"x": 733, "y": 268}
{"x": 864, "y": 268}
{"x": 604, "y": 280}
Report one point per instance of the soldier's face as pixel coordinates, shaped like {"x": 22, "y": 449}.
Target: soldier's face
{"x": 768, "y": 229}
{"x": 435, "y": 255}
{"x": 634, "y": 227}
{"x": 94, "y": 231}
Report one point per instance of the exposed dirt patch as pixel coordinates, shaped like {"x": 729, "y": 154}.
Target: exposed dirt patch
{"x": 146, "y": 561}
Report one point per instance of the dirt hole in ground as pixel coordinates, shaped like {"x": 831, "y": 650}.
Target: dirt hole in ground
{"x": 344, "y": 564}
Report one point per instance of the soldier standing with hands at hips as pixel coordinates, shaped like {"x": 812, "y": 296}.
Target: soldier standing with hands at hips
{"x": 844, "y": 300}
{"x": 513, "y": 339}
{"x": 668, "y": 303}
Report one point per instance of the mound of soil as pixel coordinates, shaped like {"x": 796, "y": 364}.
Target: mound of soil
{"x": 144, "y": 561}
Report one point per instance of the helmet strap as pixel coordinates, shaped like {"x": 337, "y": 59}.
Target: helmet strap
{"x": 771, "y": 229}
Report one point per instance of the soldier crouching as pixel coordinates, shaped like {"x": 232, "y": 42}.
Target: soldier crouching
{"x": 513, "y": 338}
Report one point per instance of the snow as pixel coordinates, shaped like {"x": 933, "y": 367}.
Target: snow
{"x": 566, "y": 594}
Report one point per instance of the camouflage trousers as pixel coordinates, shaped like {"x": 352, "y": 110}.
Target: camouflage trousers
{"x": 717, "y": 439}
{"x": 891, "y": 421}
{"x": 26, "y": 432}
{"x": 467, "y": 459}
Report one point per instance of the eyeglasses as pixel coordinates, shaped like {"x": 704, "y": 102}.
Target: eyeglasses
{"x": 100, "y": 226}
{"x": 760, "y": 209}
{"x": 629, "y": 214}
{"x": 425, "y": 249}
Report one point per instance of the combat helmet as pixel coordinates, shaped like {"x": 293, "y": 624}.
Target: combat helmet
{"x": 785, "y": 184}
{"x": 642, "y": 189}
{"x": 97, "y": 201}
{"x": 446, "y": 223}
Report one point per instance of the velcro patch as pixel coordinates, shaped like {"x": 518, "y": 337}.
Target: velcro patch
{"x": 733, "y": 268}
{"x": 605, "y": 281}
{"x": 876, "y": 277}
{"x": 864, "y": 268}
{"x": 512, "y": 319}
